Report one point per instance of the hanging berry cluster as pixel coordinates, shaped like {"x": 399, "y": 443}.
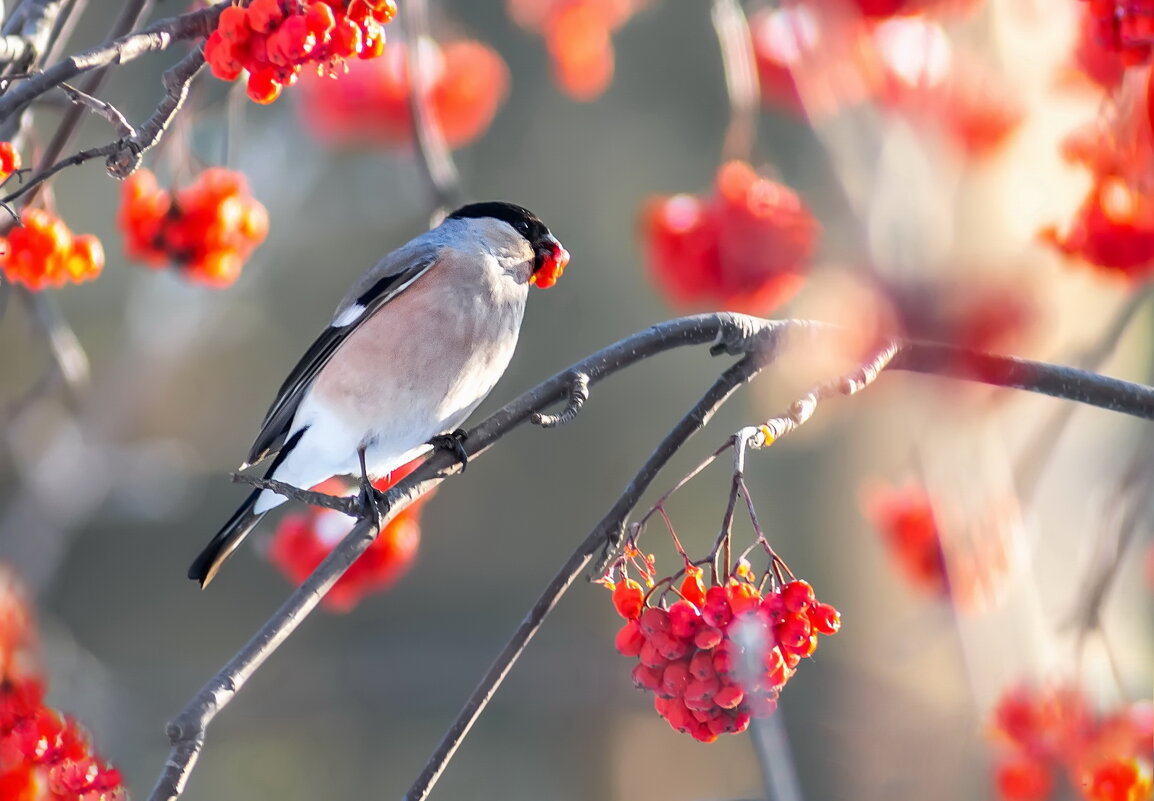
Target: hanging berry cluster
{"x": 1048, "y": 731}
{"x": 208, "y": 229}
{"x": 9, "y": 160}
{"x": 303, "y": 540}
{"x": 275, "y": 39}
{"x": 42, "y": 252}
{"x": 747, "y": 247}
{"x": 719, "y": 656}
{"x": 44, "y": 756}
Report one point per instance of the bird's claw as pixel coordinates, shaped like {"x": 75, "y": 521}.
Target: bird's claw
{"x": 371, "y": 500}
{"x": 455, "y": 444}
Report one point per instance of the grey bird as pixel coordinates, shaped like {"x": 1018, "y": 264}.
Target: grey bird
{"x": 413, "y": 348}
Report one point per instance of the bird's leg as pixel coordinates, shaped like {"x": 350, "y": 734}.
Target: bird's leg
{"x": 370, "y": 497}
{"x": 454, "y": 443}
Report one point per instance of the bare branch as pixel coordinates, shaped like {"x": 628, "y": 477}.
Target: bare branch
{"x": 156, "y": 37}
{"x": 97, "y": 106}
{"x": 346, "y": 504}
{"x": 757, "y": 339}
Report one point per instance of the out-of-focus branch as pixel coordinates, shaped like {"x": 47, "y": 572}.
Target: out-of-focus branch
{"x": 123, "y": 156}
{"x": 156, "y": 37}
{"x": 28, "y": 32}
{"x": 755, "y": 339}
{"x": 741, "y": 82}
{"x": 433, "y": 151}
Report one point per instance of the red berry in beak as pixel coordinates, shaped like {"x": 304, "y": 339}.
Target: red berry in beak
{"x": 551, "y": 267}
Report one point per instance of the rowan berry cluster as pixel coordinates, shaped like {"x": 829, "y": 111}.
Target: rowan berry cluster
{"x": 1048, "y": 731}
{"x": 274, "y": 39}
{"x": 302, "y": 541}
{"x": 747, "y": 247}
{"x": 208, "y": 229}
{"x": 1113, "y": 229}
{"x": 9, "y": 160}
{"x": 465, "y": 81}
{"x": 719, "y": 656}
{"x": 42, "y": 252}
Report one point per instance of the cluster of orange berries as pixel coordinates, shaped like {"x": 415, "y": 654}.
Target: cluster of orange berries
{"x": 718, "y": 657}
{"x": 302, "y": 541}
{"x": 208, "y": 229}
{"x": 9, "y": 160}
{"x": 747, "y": 247}
{"x": 42, "y": 252}
{"x": 1049, "y": 730}
{"x": 274, "y": 39}
{"x": 465, "y": 82}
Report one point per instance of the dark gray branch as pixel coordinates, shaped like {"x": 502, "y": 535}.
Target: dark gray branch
{"x": 156, "y": 37}
{"x": 758, "y": 340}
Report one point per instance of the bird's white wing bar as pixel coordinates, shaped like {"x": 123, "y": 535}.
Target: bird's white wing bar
{"x": 388, "y": 279}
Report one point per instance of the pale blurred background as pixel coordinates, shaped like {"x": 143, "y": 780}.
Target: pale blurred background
{"x": 102, "y": 509}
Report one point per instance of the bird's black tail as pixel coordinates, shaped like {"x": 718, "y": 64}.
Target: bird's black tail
{"x": 205, "y": 565}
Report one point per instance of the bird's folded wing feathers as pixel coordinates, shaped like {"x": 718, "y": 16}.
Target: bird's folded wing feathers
{"x": 374, "y": 289}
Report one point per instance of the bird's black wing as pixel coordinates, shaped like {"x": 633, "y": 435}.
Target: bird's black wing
{"x": 380, "y": 285}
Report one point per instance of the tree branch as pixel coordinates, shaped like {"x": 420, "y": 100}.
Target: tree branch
{"x": 755, "y": 339}
{"x": 156, "y": 37}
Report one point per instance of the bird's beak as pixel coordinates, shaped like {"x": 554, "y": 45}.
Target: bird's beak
{"x": 552, "y": 264}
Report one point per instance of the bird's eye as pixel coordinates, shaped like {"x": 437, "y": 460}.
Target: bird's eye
{"x": 523, "y": 227}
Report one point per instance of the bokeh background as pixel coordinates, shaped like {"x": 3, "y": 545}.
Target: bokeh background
{"x": 104, "y": 501}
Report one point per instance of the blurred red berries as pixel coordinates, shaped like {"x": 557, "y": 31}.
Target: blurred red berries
{"x": 747, "y": 247}
{"x": 274, "y": 39}
{"x": 1113, "y": 230}
{"x": 208, "y": 230}
{"x": 369, "y": 103}
{"x": 1125, "y": 27}
{"x": 302, "y": 541}
{"x": 715, "y": 662}
{"x": 9, "y": 160}
{"x": 1046, "y": 731}
{"x": 578, "y": 37}
{"x": 42, "y": 252}
{"x": 43, "y": 756}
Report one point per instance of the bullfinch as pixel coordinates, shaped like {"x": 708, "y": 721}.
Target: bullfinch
{"x": 413, "y": 348}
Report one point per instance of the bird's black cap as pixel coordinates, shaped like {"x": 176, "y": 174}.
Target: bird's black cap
{"x": 523, "y": 221}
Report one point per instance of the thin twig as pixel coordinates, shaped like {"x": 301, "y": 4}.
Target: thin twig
{"x": 156, "y": 37}
{"x": 101, "y": 107}
{"x": 341, "y": 503}
{"x": 741, "y": 82}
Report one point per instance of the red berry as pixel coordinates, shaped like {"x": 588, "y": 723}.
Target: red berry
{"x": 653, "y": 620}
{"x": 684, "y": 619}
{"x": 646, "y": 677}
{"x": 675, "y": 678}
{"x": 824, "y": 618}
{"x": 729, "y": 696}
{"x": 264, "y": 15}
{"x": 9, "y": 160}
{"x": 692, "y": 587}
{"x": 263, "y": 87}
{"x": 628, "y": 599}
{"x": 797, "y": 596}
{"x": 629, "y": 639}
{"x": 707, "y": 637}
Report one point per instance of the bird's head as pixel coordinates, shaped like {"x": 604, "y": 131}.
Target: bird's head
{"x": 549, "y": 257}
